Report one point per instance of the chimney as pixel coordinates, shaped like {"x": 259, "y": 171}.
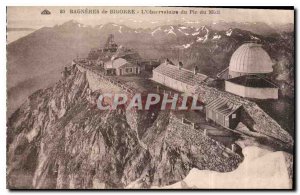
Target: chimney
{"x": 233, "y": 147}
{"x": 180, "y": 65}
{"x": 167, "y": 61}
{"x": 112, "y": 61}
{"x": 195, "y": 69}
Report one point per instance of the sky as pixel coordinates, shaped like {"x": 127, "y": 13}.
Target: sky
{"x": 30, "y": 17}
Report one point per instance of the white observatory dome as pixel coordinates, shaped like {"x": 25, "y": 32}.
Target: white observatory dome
{"x": 250, "y": 58}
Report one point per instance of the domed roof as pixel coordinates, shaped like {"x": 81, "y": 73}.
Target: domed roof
{"x": 250, "y": 58}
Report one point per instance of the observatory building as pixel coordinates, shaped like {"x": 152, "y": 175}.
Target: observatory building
{"x": 224, "y": 112}
{"x": 248, "y": 66}
{"x": 177, "y": 77}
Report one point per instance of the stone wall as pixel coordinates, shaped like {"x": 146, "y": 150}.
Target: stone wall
{"x": 98, "y": 83}
{"x": 213, "y": 151}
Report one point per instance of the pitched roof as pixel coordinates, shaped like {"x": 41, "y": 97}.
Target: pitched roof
{"x": 117, "y": 63}
{"x": 252, "y": 81}
{"x": 223, "y": 106}
{"x": 183, "y": 75}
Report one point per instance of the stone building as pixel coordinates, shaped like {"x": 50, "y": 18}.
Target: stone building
{"x": 120, "y": 66}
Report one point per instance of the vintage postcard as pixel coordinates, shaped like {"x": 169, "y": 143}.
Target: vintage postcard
{"x": 150, "y": 98}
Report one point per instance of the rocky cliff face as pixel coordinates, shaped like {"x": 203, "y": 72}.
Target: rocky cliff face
{"x": 58, "y": 138}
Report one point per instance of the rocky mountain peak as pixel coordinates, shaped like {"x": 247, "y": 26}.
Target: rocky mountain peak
{"x": 58, "y": 138}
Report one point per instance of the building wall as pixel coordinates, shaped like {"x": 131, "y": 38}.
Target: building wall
{"x": 251, "y": 92}
{"x": 262, "y": 93}
{"x": 122, "y": 71}
{"x": 229, "y": 121}
{"x": 216, "y": 117}
{"x": 235, "y": 89}
{"x": 97, "y": 83}
{"x": 220, "y": 119}
{"x": 233, "y": 121}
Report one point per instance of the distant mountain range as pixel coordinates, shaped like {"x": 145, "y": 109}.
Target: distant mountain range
{"x": 20, "y": 29}
{"x": 35, "y": 61}
{"x": 260, "y": 28}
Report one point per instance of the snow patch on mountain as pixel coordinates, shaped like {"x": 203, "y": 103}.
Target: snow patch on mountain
{"x": 216, "y": 37}
{"x": 202, "y": 39}
{"x": 158, "y": 29}
{"x": 229, "y": 32}
{"x": 183, "y": 27}
{"x": 254, "y": 38}
{"x": 187, "y": 45}
{"x": 196, "y": 33}
{"x": 183, "y": 32}
{"x": 172, "y": 32}
{"x": 204, "y": 28}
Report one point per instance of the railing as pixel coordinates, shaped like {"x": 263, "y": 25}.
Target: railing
{"x": 222, "y": 72}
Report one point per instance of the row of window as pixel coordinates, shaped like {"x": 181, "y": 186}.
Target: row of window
{"x": 129, "y": 70}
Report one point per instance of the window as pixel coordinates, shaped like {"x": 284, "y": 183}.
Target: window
{"x": 233, "y": 116}
{"x": 128, "y": 70}
{"x": 210, "y": 114}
